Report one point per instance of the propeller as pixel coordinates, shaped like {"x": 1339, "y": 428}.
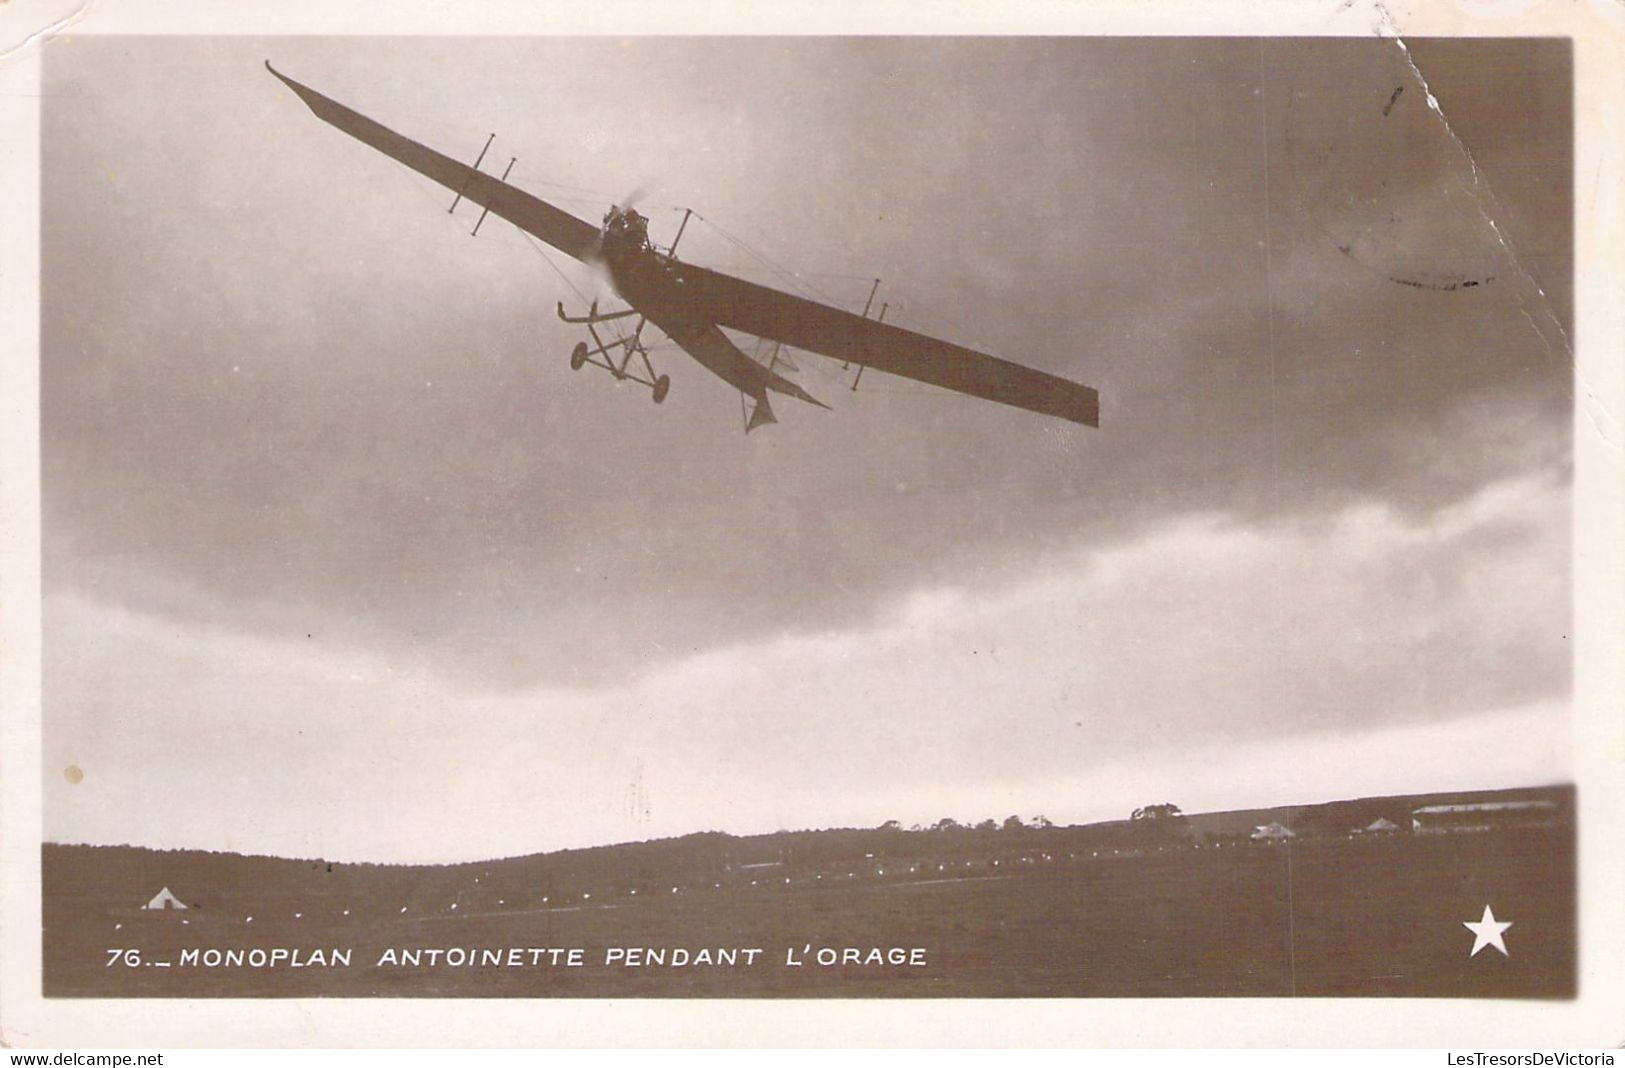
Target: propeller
{"x": 605, "y": 287}
{"x": 631, "y": 199}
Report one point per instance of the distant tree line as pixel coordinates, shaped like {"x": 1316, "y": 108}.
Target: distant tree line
{"x": 948, "y": 823}
{"x": 1165, "y": 813}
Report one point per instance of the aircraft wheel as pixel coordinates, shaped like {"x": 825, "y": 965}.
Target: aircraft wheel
{"x": 662, "y": 387}
{"x": 578, "y": 356}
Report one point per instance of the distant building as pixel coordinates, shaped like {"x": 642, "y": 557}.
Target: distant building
{"x": 164, "y": 901}
{"x": 1270, "y": 832}
{"x": 1480, "y": 816}
{"x": 1380, "y": 825}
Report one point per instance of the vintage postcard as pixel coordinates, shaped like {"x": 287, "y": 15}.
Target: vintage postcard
{"x": 1058, "y": 527}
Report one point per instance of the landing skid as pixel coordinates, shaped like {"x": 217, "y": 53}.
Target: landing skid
{"x": 599, "y": 355}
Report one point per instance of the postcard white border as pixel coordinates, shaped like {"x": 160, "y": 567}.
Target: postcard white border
{"x": 1594, "y": 1019}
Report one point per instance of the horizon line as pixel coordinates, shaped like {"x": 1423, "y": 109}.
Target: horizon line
{"x": 1569, "y": 785}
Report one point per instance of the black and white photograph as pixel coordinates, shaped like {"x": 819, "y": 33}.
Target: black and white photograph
{"x": 839, "y": 516}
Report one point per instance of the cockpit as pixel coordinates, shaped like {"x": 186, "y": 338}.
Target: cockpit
{"x": 626, "y": 226}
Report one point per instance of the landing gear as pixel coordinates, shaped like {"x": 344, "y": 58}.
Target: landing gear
{"x": 600, "y": 354}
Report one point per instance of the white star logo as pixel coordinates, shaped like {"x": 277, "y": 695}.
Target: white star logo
{"x": 1487, "y": 932}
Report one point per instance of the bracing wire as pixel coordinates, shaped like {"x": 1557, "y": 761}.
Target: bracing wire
{"x": 794, "y": 279}
{"x": 540, "y": 251}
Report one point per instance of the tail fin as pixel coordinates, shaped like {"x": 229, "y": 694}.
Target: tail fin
{"x": 780, "y": 384}
{"x": 761, "y": 415}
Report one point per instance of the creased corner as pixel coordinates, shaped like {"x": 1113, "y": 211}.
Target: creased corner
{"x": 1604, "y": 422}
{"x": 21, "y": 29}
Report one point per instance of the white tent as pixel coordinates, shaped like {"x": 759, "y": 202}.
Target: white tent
{"x": 165, "y": 900}
{"x": 1272, "y": 830}
{"x": 1381, "y": 825}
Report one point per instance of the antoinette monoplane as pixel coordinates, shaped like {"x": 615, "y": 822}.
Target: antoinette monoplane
{"x": 692, "y": 304}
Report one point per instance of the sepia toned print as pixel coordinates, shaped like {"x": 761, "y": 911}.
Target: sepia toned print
{"x": 1166, "y": 593}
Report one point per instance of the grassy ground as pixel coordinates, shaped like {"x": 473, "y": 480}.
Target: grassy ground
{"x": 1338, "y": 916}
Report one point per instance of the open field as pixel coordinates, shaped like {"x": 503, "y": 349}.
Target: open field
{"x": 1333, "y": 916}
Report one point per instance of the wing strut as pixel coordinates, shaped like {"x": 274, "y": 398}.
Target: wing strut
{"x": 672, "y": 251}
{"x": 458, "y": 199}
{"x": 866, "y": 306}
{"x": 486, "y": 210}
{"x": 879, "y": 319}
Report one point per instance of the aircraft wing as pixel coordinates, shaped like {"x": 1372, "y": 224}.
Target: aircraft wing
{"x": 558, "y": 228}
{"x": 723, "y": 300}
{"x": 842, "y": 335}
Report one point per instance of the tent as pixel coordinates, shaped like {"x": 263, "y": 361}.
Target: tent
{"x": 1272, "y": 830}
{"x": 165, "y": 900}
{"x": 1381, "y": 825}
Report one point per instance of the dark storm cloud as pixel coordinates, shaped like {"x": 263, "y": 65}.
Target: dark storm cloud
{"x": 284, "y": 394}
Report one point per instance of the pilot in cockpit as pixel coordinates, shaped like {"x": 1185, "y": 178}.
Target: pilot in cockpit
{"x": 627, "y": 223}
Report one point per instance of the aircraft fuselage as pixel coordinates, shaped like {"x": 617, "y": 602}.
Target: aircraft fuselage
{"x": 652, "y": 282}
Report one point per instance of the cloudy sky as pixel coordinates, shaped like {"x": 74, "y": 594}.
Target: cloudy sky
{"x": 342, "y": 559}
